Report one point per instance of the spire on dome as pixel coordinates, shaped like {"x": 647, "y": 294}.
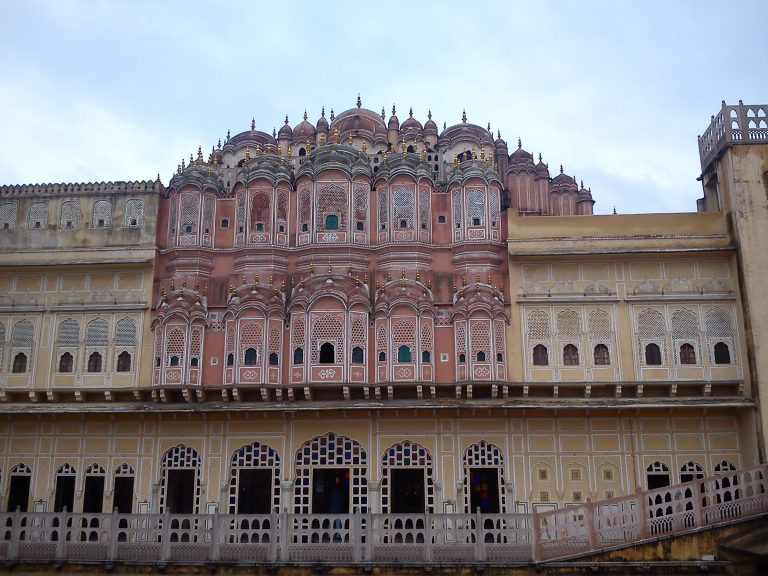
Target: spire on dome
{"x": 498, "y": 134}
{"x": 253, "y": 124}
{"x": 359, "y": 102}
{"x": 383, "y": 115}
{"x": 333, "y": 116}
{"x": 429, "y": 114}
{"x": 219, "y": 146}
{"x": 519, "y": 143}
{"x": 539, "y": 156}
{"x": 464, "y": 116}
{"x": 274, "y": 132}
{"x": 286, "y": 118}
{"x": 393, "y": 110}
{"x": 561, "y": 168}
{"x": 305, "y": 115}
{"x": 227, "y": 135}
{"x": 322, "y": 112}
{"x": 410, "y": 112}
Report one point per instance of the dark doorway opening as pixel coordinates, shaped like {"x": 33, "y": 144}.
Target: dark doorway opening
{"x": 93, "y": 495}
{"x": 327, "y": 354}
{"x": 484, "y": 490}
{"x": 659, "y": 480}
{"x": 65, "y": 493}
{"x": 407, "y": 490}
{"x": 18, "y": 496}
{"x": 254, "y": 491}
{"x": 330, "y": 491}
{"x": 180, "y": 492}
{"x": 123, "y": 494}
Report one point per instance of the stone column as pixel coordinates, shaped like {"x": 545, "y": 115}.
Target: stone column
{"x": 285, "y": 494}
{"x": 374, "y": 497}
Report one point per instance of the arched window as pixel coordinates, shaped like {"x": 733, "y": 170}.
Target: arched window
{"x": 174, "y": 361}
{"x": 298, "y": 356}
{"x": 194, "y": 362}
{"x": 570, "y": 355}
{"x": 305, "y": 227}
{"x": 94, "y": 362}
{"x": 357, "y": 355}
{"x": 652, "y": 354}
{"x": 327, "y": 354}
{"x": 273, "y": 358}
{"x": 481, "y": 356}
{"x": 602, "y": 356}
{"x": 403, "y": 354}
{"x": 657, "y": 475}
{"x": 302, "y": 152}
{"x": 691, "y": 471}
{"x": 250, "y": 357}
{"x": 65, "y": 362}
{"x": 124, "y": 362}
{"x": 462, "y": 358}
{"x": 540, "y": 355}
{"x": 722, "y": 353}
{"x": 382, "y": 356}
{"x": 687, "y": 354}
{"x": 230, "y": 359}
{"x": 426, "y": 356}
{"x": 332, "y": 222}
{"x": 20, "y": 363}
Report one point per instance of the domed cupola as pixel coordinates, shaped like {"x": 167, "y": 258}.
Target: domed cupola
{"x": 542, "y": 170}
{"x": 394, "y": 123}
{"x": 430, "y": 128}
{"x": 411, "y": 128}
{"x": 285, "y": 132}
{"x": 563, "y": 183}
{"x": 322, "y": 123}
{"x": 584, "y": 201}
{"x": 520, "y": 159}
{"x": 359, "y": 123}
{"x": 303, "y": 131}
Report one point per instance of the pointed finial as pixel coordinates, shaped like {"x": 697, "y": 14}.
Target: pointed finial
{"x": 614, "y": 209}
{"x": 561, "y": 168}
{"x": 539, "y": 156}
{"x": 305, "y": 115}
{"x": 383, "y": 115}
{"x": 410, "y": 112}
{"x": 158, "y": 177}
{"x": 464, "y": 116}
{"x": 429, "y": 114}
{"x": 333, "y": 116}
{"x": 519, "y": 143}
{"x": 253, "y": 124}
{"x": 322, "y": 112}
{"x": 444, "y": 125}
{"x": 582, "y": 184}
{"x": 183, "y": 165}
{"x": 489, "y": 128}
{"x": 498, "y": 134}
{"x": 227, "y": 135}
{"x": 190, "y": 160}
{"x": 274, "y": 132}
{"x": 219, "y": 144}
{"x": 286, "y": 119}
{"x": 393, "y": 110}
{"x": 359, "y": 102}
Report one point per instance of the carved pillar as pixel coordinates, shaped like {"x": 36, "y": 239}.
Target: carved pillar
{"x": 285, "y": 494}
{"x": 374, "y": 497}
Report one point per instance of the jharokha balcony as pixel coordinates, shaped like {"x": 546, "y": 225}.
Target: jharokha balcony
{"x": 369, "y": 538}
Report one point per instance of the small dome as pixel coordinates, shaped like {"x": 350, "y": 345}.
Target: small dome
{"x": 411, "y": 124}
{"x": 322, "y": 123}
{"x": 542, "y": 170}
{"x": 562, "y": 183}
{"x": 357, "y": 120}
{"x": 499, "y": 143}
{"x": 394, "y": 123}
{"x": 304, "y": 130}
{"x": 430, "y": 128}
{"x": 285, "y": 131}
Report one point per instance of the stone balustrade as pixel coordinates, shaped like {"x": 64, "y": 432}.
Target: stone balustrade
{"x": 384, "y": 538}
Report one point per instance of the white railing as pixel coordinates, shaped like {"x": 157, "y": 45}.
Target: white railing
{"x": 384, "y": 538}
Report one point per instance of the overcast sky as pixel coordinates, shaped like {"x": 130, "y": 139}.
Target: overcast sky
{"x": 616, "y": 92}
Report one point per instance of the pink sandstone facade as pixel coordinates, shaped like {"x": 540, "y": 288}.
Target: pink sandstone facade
{"x": 353, "y": 252}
